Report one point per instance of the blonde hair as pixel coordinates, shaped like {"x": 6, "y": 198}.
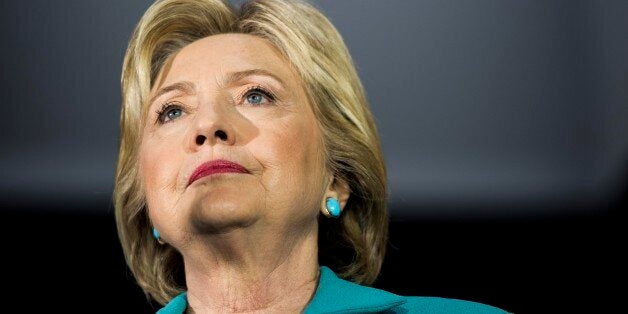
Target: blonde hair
{"x": 353, "y": 245}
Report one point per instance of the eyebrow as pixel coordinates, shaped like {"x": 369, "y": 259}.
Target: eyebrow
{"x": 236, "y": 76}
{"x": 189, "y": 88}
{"x": 186, "y": 87}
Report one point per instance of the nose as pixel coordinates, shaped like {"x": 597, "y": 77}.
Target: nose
{"x": 211, "y": 129}
{"x": 219, "y": 134}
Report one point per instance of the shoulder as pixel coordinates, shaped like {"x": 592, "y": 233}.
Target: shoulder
{"x": 336, "y": 295}
{"x": 434, "y": 305}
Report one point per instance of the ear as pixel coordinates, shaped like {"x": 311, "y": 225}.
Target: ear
{"x": 338, "y": 189}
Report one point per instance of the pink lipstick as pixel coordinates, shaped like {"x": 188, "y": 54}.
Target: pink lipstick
{"x": 214, "y": 167}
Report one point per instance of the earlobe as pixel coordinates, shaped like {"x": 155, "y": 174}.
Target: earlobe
{"x": 342, "y": 191}
{"x": 336, "y": 198}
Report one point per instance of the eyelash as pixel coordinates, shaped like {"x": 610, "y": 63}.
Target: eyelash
{"x": 167, "y": 106}
{"x": 260, "y": 90}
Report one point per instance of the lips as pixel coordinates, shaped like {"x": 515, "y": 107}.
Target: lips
{"x": 214, "y": 167}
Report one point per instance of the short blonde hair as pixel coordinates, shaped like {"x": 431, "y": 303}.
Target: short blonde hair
{"x": 353, "y": 245}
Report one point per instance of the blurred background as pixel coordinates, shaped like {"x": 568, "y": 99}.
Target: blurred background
{"x": 504, "y": 125}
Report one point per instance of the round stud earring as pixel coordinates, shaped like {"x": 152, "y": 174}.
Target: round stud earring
{"x": 157, "y": 236}
{"x": 332, "y": 208}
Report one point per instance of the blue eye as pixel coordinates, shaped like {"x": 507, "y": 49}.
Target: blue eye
{"x": 169, "y": 113}
{"x": 174, "y": 113}
{"x": 258, "y": 96}
{"x": 255, "y": 98}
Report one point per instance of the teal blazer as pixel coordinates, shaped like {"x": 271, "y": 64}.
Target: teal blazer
{"x": 335, "y": 295}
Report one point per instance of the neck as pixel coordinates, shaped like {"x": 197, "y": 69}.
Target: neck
{"x": 244, "y": 272}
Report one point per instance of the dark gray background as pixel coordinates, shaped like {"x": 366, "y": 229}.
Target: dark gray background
{"x": 503, "y": 123}
{"x": 478, "y": 102}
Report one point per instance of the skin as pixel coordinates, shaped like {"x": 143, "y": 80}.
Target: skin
{"x": 248, "y": 240}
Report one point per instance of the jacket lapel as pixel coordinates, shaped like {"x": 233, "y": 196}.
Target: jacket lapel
{"x": 335, "y": 295}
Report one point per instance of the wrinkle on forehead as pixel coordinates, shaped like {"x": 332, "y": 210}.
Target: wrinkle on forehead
{"x": 240, "y": 53}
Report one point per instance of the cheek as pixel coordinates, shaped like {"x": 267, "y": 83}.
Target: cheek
{"x": 158, "y": 169}
{"x": 291, "y": 152}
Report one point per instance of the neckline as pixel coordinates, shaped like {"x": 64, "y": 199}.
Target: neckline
{"x": 333, "y": 294}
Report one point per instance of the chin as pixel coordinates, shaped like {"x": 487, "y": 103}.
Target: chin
{"x": 220, "y": 213}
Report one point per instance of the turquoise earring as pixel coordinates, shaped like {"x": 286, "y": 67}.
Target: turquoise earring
{"x": 157, "y": 236}
{"x": 332, "y": 208}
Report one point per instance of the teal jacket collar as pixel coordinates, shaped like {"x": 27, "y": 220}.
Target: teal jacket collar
{"x": 337, "y": 295}
{"x": 332, "y": 295}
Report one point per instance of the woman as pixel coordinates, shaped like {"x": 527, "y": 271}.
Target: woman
{"x": 249, "y": 155}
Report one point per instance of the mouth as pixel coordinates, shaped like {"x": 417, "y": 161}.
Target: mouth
{"x": 215, "y": 167}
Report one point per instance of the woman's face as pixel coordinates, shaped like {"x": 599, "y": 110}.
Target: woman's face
{"x": 231, "y": 97}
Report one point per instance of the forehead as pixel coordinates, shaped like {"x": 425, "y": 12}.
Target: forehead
{"x": 219, "y": 54}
